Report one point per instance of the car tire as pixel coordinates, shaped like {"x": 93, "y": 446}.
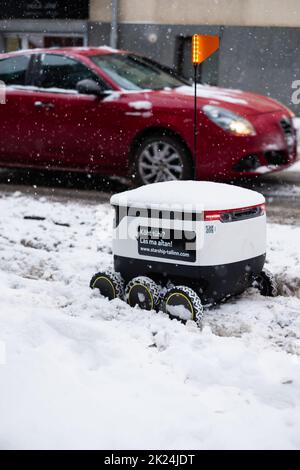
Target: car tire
{"x": 161, "y": 158}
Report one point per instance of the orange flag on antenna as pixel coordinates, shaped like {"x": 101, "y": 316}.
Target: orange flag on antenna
{"x": 203, "y": 46}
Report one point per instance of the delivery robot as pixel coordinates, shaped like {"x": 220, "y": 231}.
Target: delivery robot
{"x": 182, "y": 245}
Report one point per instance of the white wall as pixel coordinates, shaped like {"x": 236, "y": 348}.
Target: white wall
{"x": 226, "y": 12}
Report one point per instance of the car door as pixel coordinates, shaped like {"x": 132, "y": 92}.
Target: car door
{"x": 16, "y": 126}
{"x": 76, "y": 130}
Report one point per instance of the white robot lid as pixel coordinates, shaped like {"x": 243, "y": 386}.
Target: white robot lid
{"x": 188, "y": 194}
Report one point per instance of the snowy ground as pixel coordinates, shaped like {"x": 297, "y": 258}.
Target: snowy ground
{"x": 294, "y": 167}
{"x": 81, "y": 372}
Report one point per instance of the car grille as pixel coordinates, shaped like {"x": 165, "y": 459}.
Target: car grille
{"x": 276, "y": 157}
{"x": 288, "y": 131}
{"x": 247, "y": 163}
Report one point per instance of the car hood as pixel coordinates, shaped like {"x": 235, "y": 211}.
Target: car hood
{"x": 244, "y": 103}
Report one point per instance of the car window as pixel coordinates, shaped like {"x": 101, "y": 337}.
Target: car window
{"x": 133, "y": 72}
{"x": 59, "y": 71}
{"x": 13, "y": 70}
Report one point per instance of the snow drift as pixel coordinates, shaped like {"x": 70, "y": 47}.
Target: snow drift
{"x": 81, "y": 372}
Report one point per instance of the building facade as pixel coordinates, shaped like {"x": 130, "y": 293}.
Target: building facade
{"x": 259, "y": 39}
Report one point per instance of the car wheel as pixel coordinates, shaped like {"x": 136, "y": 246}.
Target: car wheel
{"x": 161, "y": 158}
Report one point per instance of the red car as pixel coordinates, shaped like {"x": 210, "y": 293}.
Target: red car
{"x": 116, "y": 113}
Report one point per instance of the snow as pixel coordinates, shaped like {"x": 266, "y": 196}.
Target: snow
{"x": 108, "y": 49}
{"x": 265, "y": 169}
{"x": 297, "y": 124}
{"x": 179, "y": 311}
{"x": 140, "y": 105}
{"x": 81, "y": 372}
{"x": 215, "y": 93}
{"x": 189, "y": 195}
{"x": 147, "y": 114}
{"x": 2, "y": 353}
{"x": 44, "y": 90}
{"x": 295, "y": 166}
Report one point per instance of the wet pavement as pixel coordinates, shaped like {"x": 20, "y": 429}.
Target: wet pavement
{"x": 282, "y": 192}
{"x": 282, "y": 189}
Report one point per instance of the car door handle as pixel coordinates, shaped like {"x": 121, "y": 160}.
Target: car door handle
{"x": 42, "y": 104}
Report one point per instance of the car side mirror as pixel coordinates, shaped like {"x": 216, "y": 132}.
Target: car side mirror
{"x": 89, "y": 87}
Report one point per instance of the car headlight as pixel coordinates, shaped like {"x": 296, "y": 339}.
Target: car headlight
{"x": 228, "y": 120}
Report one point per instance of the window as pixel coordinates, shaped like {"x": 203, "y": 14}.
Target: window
{"x": 59, "y": 71}
{"x": 12, "y": 43}
{"x": 132, "y": 72}
{"x": 62, "y": 41}
{"x": 207, "y": 71}
{"x": 13, "y": 70}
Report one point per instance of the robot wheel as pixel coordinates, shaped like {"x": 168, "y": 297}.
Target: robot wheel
{"x": 109, "y": 283}
{"x": 183, "y": 303}
{"x": 266, "y": 283}
{"x": 144, "y": 292}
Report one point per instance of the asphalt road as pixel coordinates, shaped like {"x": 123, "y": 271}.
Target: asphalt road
{"x": 282, "y": 189}
{"x": 282, "y": 192}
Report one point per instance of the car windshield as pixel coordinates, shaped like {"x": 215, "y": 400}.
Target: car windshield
{"x": 131, "y": 72}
